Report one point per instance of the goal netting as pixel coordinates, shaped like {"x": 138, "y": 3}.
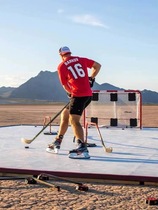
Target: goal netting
{"x": 113, "y": 108}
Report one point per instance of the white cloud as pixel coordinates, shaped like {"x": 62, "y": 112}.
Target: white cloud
{"x": 88, "y": 20}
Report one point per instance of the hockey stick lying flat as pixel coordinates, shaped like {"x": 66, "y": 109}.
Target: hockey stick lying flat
{"x": 47, "y": 184}
{"x": 80, "y": 186}
{"x": 28, "y": 141}
{"x": 107, "y": 149}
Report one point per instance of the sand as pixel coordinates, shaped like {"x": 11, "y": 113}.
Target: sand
{"x": 18, "y": 195}
{"x": 35, "y": 114}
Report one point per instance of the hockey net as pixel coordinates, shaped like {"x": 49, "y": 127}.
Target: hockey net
{"x": 113, "y": 108}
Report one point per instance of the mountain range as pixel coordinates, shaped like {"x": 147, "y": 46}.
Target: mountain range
{"x": 46, "y": 87}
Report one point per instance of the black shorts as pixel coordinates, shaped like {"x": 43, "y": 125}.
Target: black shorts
{"x": 78, "y": 104}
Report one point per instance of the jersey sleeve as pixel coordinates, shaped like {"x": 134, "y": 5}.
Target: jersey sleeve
{"x": 62, "y": 76}
{"x": 89, "y": 62}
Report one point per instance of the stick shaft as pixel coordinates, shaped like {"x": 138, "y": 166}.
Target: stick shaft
{"x": 101, "y": 137}
{"x": 61, "y": 178}
{"x": 102, "y": 141}
{"x": 50, "y": 122}
{"x": 46, "y": 183}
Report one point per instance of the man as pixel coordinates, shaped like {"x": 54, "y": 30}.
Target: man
{"x": 73, "y": 75}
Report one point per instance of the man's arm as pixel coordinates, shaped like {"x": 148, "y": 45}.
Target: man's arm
{"x": 67, "y": 88}
{"x": 95, "y": 69}
{"x": 63, "y": 81}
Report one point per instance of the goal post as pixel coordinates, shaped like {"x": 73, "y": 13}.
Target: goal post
{"x": 115, "y": 108}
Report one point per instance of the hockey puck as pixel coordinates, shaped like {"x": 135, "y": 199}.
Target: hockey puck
{"x": 26, "y": 147}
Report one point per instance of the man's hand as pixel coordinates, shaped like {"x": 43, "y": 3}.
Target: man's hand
{"x": 68, "y": 95}
{"x": 91, "y": 81}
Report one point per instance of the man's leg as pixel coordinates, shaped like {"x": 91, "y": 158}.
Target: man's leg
{"x": 81, "y": 150}
{"x": 64, "y": 122}
{"x": 77, "y": 106}
{"x": 76, "y": 126}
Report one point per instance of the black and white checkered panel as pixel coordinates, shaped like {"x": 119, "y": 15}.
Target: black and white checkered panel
{"x": 115, "y": 109}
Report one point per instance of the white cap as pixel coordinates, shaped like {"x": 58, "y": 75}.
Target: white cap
{"x": 64, "y": 50}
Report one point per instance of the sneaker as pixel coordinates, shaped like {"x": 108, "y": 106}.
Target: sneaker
{"x": 55, "y": 146}
{"x": 81, "y": 152}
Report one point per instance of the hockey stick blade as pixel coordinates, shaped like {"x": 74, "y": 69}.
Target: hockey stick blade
{"x": 107, "y": 149}
{"x": 28, "y": 141}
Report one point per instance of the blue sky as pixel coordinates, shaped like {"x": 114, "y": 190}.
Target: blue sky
{"x": 120, "y": 34}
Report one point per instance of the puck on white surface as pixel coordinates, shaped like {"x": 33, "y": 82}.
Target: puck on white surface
{"x": 26, "y": 147}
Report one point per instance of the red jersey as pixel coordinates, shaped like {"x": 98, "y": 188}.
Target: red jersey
{"x": 74, "y": 72}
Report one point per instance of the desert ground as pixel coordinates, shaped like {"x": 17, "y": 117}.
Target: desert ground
{"x": 36, "y": 114}
{"x": 17, "y": 195}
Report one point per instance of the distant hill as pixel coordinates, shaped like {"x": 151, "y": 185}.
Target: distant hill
{"x": 150, "y": 97}
{"x": 6, "y": 91}
{"x": 46, "y": 86}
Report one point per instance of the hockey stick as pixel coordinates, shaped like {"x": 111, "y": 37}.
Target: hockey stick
{"x": 33, "y": 180}
{"x": 47, "y": 184}
{"x": 80, "y": 186}
{"x": 107, "y": 149}
{"x": 28, "y": 141}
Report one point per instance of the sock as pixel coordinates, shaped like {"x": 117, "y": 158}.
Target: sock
{"x": 60, "y": 138}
